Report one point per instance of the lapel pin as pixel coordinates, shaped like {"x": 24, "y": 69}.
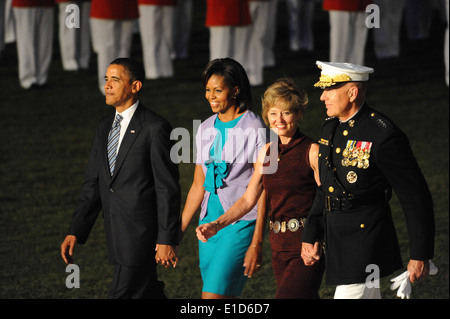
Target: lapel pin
{"x": 132, "y": 131}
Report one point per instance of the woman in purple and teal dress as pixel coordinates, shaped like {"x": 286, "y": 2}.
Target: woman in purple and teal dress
{"x": 227, "y": 144}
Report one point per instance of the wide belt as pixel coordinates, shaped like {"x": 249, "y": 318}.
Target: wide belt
{"x": 333, "y": 203}
{"x": 291, "y": 225}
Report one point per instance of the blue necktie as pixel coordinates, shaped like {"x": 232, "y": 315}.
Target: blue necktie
{"x": 113, "y": 142}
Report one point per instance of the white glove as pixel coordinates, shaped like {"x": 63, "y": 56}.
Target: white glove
{"x": 403, "y": 284}
{"x": 433, "y": 268}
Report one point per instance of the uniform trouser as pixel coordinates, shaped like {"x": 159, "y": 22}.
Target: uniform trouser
{"x": 357, "y": 291}
{"x": 260, "y": 13}
{"x": 136, "y": 283}
{"x": 75, "y": 43}
{"x": 387, "y": 36}
{"x": 348, "y": 34}
{"x": 111, "y": 39}
{"x": 231, "y": 42}
{"x": 156, "y": 24}
{"x": 34, "y": 32}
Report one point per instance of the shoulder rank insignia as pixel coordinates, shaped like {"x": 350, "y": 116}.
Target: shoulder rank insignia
{"x": 356, "y": 153}
{"x": 380, "y": 120}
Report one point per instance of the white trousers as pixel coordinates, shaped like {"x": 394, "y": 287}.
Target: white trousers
{"x": 231, "y": 42}
{"x": 75, "y": 43}
{"x": 156, "y": 24}
{"x": 111, "y": 39}
{"x": 258, "y": 42}
{"x": 387, "y": 36}
{"x": 356, "y": 291}
{"x": 348, "y": 34}
{"x": 34, "y": 38}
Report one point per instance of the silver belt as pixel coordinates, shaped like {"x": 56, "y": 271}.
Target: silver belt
{"x": 292, "y": 225}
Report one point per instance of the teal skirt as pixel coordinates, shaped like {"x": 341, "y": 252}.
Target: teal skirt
{"x": 222, "y": 256}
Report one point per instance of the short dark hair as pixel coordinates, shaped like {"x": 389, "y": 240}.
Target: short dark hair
{"x": 234, "y": 75}
{"x": 134, "y": 69}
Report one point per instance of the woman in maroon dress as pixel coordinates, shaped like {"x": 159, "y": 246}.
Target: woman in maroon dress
{"x": 289, "y": 193}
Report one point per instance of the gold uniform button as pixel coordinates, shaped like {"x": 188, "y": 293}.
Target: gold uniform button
{"x": 338, "y": 150}
{"x": 362, "y": 226}
{"x": 345, "y": 133}
{"x": 331, "y": 189}
{"x": 320, "y": 154}
{"x": 373, "y": 114}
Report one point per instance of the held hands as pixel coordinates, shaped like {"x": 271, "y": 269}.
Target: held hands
{"x": 310, "y": 253}
{"x": 206, "y": 231}
{"x": 166, "y": 255}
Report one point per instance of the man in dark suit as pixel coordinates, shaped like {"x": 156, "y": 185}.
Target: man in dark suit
{"x": 132, "y": 179}
{"x": 363, "y": 156}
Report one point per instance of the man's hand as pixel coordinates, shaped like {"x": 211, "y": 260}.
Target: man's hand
{"x": 67, "y": 248}
{"x": 166, "y": 255}
{"x": 310, "y": 253}
{"x": 418, "y": 269}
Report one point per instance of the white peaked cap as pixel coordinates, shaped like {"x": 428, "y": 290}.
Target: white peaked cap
{"x": 334, "y": 72}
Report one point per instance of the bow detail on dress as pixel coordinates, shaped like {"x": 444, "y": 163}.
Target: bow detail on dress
{"x": 217, "y": 171}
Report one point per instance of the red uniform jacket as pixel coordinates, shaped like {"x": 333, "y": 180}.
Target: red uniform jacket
{"x": 114, "y": 9}
{"x": 158, "y": 2}
{"x": 346, "y": 5}
{"x": 33, "y": 3}
{"x": 227, "y": 13}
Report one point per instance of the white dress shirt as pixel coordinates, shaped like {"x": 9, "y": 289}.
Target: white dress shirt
{"x": 127, "y": 115}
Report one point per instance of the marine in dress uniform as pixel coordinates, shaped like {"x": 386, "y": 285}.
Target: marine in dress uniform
{"x": 75, "y": 42}
{"x": 348, "y": 31}
{"x": 228, "y": 23}
{"x": 156, "y": 23}
{"x": 34, "y": 32}
{"x": 363, "y": 156}
{"x": 112, "y": 24}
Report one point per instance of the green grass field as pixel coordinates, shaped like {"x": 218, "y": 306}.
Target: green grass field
{"x": 47, "y": 134}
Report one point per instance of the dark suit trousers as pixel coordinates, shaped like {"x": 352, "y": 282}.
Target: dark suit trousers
{"x": 136, "y": 283}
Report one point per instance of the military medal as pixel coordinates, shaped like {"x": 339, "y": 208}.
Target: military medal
{"x": 356, "y": 154}
{"x": 352, "y": 177}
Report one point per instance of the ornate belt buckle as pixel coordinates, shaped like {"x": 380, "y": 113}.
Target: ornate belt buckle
{"x": 293, "y": 225}
{"x": 276, "y": 227}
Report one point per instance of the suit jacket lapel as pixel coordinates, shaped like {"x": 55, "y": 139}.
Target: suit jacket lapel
{"x": 133, "y": 129}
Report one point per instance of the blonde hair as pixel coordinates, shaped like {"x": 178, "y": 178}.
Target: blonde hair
{"x": 284, "y": 93}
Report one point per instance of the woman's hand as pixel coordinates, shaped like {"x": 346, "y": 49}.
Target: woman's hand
{"x": 206, "y": 231}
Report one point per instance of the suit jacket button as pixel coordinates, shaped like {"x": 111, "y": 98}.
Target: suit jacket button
{"x": 111, "y": 190}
